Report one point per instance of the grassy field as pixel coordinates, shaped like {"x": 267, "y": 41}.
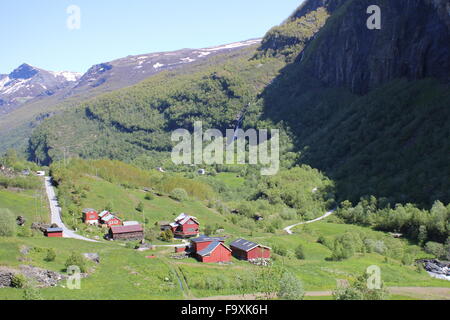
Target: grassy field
{"x": 127, "y": 274}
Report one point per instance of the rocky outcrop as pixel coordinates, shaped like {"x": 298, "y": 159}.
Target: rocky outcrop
{"x": 414, "y": 43}
{"x": 437, "y": 269}
{"x": 42, "y": 277}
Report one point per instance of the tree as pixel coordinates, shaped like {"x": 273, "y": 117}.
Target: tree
{"x": 423, "y": 235}
{"x": 7, "y": 223}
{"x": 299, "y": 252}
{"x": 166, "y": 235}
{"x": 51, "y": 255}
{"x": 291, "y": 288}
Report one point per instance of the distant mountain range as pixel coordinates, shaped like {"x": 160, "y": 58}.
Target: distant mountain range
{"x": 28, "y": 95}
{"x": 27, "y": 83}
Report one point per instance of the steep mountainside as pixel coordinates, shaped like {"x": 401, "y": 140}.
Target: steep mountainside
{"x": 360, "y": 104}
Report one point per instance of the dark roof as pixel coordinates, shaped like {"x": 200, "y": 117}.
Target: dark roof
{"x": 245, "y": 245}
{"x": 208, "y": 239}
{"x": 127, "y": 229}
{"x": 54, "y": 230}
{"x": 210, "y": 248}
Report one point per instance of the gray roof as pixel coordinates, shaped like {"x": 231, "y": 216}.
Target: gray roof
{"x": 245, "y": 245}
{"x": 88, "y": 210}
{"x": 54, "y": 230}
{"x": 212, "y": 246}
{"x": 208, "y": 239}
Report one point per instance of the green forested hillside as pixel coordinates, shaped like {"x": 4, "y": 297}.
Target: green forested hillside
{"x": 383, "y": 134}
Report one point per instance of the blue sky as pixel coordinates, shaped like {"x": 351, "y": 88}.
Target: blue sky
{"x": 36, "y": 32}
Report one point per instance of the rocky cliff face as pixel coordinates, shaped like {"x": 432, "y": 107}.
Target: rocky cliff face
{"x": 414, "y": 42}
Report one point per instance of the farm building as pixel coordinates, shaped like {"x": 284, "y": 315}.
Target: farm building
{"x": 202, "y": 242}
{"x": 134, "y": 232}
{"x": 109, "y": 219}
{"x": 215, "y": 252}
{"x": 247, "y": 250}
{"x": 53, "y": 232}
{"x": 90, "y": 216}
{"x": 185, "y": 226}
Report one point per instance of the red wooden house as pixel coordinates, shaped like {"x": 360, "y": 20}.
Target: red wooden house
{"x": 185, "y": 226}
{"x": 90, "y": 216}
{"x": 211, "y": 249}
{"x": 53, "y": 232}
{"x": 109, "y": 219}
{"x": 247, "y": 250}
{"x": 215, "y": 252}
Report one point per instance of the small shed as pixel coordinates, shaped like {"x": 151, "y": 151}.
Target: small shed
{"x": 90, "y": 216}
{"x": 215, "y": 252}
{"x": 134, "y": 232}
{"x": 53, "y": 232}
{"x": 247, "y": 250}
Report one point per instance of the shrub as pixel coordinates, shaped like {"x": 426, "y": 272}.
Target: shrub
{"x": 76, "y": 259}
{"x": 18, "y": 281}
{"x": 32, "y": 293}
{"x": 436, "y": 249}
{"x": 149, "y": 196}
{"x": 280, "y": 250}
{"x": 299, "y": 252}
{"x": 140, "y": 207}
{"x": 51, "y": 255}
{"x": 291, "y": 288}
{"x": 179, "y": 194}
{"x": 7, "y": 223}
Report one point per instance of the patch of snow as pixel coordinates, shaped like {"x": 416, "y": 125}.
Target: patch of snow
{"x": 69, "y": 76}
{"x": 204, "y": 54}
{"x": 187, "y": 60}
{"x": 158, "y": 65}
{"x": 233, "y": 45}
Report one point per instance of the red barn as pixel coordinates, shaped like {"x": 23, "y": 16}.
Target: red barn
{"x": 90, "y": 216}
{"x": 53, "y": 232}
{"x": 247, "y": 250}
{"x": 202, "y": 242}
{"x": 215, "y": 252}
{"x": 185, "y": 226}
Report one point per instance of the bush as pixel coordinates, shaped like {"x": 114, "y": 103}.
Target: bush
{"x": 76, "y": 259}
{"x": 32, "y": 293}
{"x": 280, "y": 250}
{"x": 140, "y": 207}
{"x": 18, "y": 281}
{"x": 51, "y": 255}
{"x": 179, "y": 194}
{"x": 291, "y": 288}
{"x": 149, "y": 196}
{"x": 436, "y": 249}
{"x": 7, "y": 223}
{"x": 299, "y": 252}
